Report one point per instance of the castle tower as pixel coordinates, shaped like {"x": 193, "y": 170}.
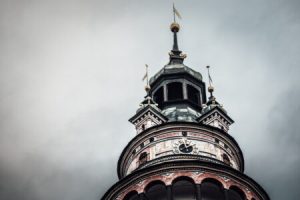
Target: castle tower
{"x": 182, "y": 149}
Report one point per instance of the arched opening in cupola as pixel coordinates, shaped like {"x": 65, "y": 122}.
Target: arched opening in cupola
{"x": 175, "y": 91}
{"x": 193, "y": 95}
{"x": 158, "y": 97}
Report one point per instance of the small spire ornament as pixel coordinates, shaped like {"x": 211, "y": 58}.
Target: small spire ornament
{"x": 176, "y": 56}
{"x": 146, "y": 77}
{"x": 210, "y": 87}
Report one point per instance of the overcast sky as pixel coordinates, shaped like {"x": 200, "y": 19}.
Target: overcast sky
{"x": 70, "y": 78}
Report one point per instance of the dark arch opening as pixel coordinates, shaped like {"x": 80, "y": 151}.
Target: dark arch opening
{"x": 158, "y": 97}
{"x": 133, "y": 195}
{"x": 193, "y": 95}
{"x": 143, "y": 158}
{"x": 183, "y": 188}
{"x": 175, "y": 91}
{"x": 156, "y": 190}
{"x": 235, "y": 193}
{"x": 212, "y": 189}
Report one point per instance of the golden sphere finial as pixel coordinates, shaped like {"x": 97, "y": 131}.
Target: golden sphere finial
{"x": 147, "y": 88}
{"x": 210, "y": 89}
{"x": 175, "y": 27}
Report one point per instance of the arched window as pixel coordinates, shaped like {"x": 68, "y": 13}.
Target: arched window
{"x": 226, "y": 159}
{"x": 158, "y": 97}
{"x": 156, "y": 191}
{"x": 143, "y": 158}
{"x": 151, "y": 139}
{"x": 183, "y": 188}
{"x": 133, "y": 195}
{"x": 175, "y": 91}
{"x": 212, "y": 189}
{"x": 193, "y": 94}
{"x": 143, "y": 127}
{"x": 235, "y": 193}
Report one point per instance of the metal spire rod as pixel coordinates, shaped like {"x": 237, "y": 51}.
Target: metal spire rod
{"x": 209, "y": 77}
{"x": 175, "y": 43}
{"x": 210, "y": 87}
{"x": 147, "y": 87}
{"x": 147, "y": 74}
{"x": 175, "y": 28}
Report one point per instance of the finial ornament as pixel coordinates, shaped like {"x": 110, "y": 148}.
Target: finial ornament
{"x": 146, "y": 77}
{"x": 209, "y": 77}
{"x": 176, "y": 13}
{"x": 176, "y": 56}
{"x": 210, "y": 87}
{"x": 148, "y": 99}
{"x": 175, "y": 26}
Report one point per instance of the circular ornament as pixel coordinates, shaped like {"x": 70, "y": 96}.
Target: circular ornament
{"x": 185, "y": 146}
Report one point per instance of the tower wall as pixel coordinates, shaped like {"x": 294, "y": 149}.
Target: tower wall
{"x": 162, "y": 143}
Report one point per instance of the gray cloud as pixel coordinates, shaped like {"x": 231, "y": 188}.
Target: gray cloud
{"x": 70, "y": 77}
{"x": 280, "y": 156}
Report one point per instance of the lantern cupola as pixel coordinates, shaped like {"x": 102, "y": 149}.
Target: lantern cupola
{"x": 177, "y": 89}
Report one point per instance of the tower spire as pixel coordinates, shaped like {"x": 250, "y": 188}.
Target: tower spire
{"x": 175, "y": 28}
{"x": 176, "y": 56}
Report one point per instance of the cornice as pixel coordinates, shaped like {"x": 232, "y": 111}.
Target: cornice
{"x": 180, "y": 157}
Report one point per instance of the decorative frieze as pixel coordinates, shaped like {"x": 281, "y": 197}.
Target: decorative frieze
{"x": 169, "y": 142}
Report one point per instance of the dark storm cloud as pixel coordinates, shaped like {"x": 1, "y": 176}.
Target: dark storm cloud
{"x": 70, "y": 77}
{"x": 280, "y": 156}
{"x": 37, "y": 178}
